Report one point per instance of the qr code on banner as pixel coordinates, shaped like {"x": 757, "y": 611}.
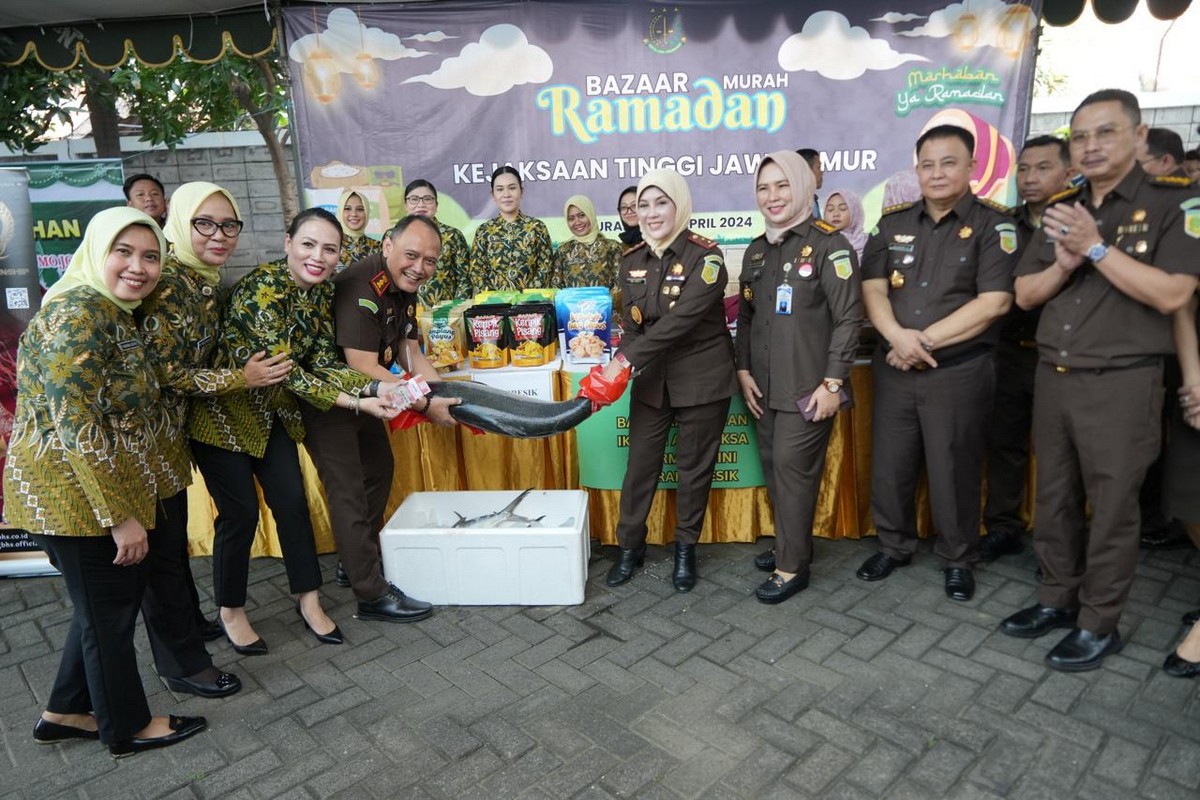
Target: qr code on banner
{"x": 17, "y": 297}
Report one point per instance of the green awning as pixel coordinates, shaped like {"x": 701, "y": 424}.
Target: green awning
{"x": 152, "y": 41}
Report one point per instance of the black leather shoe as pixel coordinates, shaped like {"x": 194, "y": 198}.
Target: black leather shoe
{"x": 256, "y": 648}
{"x": 395, "y": 606}
{"x": 47, "y": 732}
{"x": 960, "y": 583}
{"x": 210, "y": 630}
{"x": 219, "y": 684}
{"x": 1000, "y": 542}
{"x": 1171, "y": 536}
{"x": 181, "y": 728}
{"x": 775, "y": 589}
{"x": 1081, "y": 650}
{"x": 1191, "y": 617}
{"x": 627, "y": 563}
{"x": 333, "y": 637}
{"x": 1174, "y": 665}
{"x": 879, "y": 566}
{"x": 340, "y": 576}
{"x": 765, "y": 561}
{"x": 683, "y": 578}
{"x": 1035, "y": 621}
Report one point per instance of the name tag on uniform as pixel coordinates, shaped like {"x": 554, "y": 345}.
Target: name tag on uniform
{"x": 783, "y": 299}
{"x": 129, "y": 344}
{"x": 632, "y": 279}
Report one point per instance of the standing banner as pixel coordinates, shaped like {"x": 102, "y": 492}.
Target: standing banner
{"x": 587, "y": 97}
{"x": 21, "y": 298}
{"x": 65, "y": 196}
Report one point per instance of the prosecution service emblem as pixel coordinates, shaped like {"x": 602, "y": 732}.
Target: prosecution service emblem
{"x": 665, "y": 32}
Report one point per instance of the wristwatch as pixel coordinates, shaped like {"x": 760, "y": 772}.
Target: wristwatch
{"x": 833, "y": 386}
{"x": 1097, "y": 252}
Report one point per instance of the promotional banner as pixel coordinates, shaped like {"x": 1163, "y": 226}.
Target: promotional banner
{"x": 587, "y": 97}
{"x": 603, "y": 445}
{"x": 65, "y": 196}
{"x": 21, "y": 296}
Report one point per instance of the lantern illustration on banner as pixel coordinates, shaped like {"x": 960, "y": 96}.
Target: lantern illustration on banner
{"x": 1016, "y": 23}
{"x": 366, "y": 71}
{"x": 966, "y": 29}
{"x": 321, "y": 75}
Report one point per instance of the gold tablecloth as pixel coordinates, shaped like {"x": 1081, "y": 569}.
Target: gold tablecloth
{"x": 429, "y": 458}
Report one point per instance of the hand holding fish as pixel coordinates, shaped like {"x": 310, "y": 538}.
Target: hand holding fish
{"x": 377, "y": 407}
{"x": 438, "y": 410}
{"x": 602, "y": 388}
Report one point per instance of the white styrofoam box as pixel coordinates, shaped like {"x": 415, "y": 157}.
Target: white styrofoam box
{"x": 543, "y": 566}
{"x": 540, "y": 382}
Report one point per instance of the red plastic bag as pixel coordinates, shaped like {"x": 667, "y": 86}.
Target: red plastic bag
{"x": 601, "y": 391}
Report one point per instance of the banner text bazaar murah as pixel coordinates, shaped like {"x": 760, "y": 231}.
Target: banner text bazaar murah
{"x": 662, "y": 103}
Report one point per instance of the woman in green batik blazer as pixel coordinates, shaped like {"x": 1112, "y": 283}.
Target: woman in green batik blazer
{"x": 180, "y": 323}
{"x": 82, "y": 477}
{"x": 450, "y": 282}
{"x": 511, "y": 252}
{"x": 588, "y": 258}
{"x": 280, "y": 308}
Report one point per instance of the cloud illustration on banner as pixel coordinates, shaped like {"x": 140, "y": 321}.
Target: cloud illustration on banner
{"x": 892, "y": 17}
{"x": 432, "y": 36}
{"x": 501, "y": 59}
{"x": 345, "y": 38}
{"x": 828, "y": 45}
{"x": 980, "y": 23}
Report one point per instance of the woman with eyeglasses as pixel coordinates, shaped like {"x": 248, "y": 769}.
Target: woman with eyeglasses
{"x": 283, "y": 308}
{"x": 512, "y": 251}
{"x": 627, "y": 209}
{"x": 82, "y": 477}
{"x": 450, "y": 281}
{"x": 180, "y": 324}
{"x": 354, "y": 212}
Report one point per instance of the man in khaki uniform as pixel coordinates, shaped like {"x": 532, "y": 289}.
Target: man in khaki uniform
{"x": 1113, "y": 260}
{"x": 937, "y": 275}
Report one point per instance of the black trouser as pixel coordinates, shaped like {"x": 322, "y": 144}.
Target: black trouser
{"x": 695, "y": 455}
{"x": 171, "y": 606}
{"x": 939, "y": 416}
{"x": 792, "y": 451}
{"x": 230, "y": 479}
{"x": 353, "y": 456}
{"x": 98, "y": 672}
{"x": 1150, "y": 496}
{"x": 1008, "y": 438}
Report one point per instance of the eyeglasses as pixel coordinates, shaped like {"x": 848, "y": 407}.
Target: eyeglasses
{"x": 423, "y": 200}
{"x": 1104, "y": 135}
{"x": 627, "y": 209}
{"x": 207, "y": 227}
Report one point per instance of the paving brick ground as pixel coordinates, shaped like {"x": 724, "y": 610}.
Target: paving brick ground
{"x": 848, "y": 690}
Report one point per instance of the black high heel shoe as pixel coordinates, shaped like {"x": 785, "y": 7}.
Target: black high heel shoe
{"x": 333, "y": 637}
{"x": 256, "y": 648}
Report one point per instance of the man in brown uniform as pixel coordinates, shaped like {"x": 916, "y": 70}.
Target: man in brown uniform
{"x": 1113, "y": 260}
{"x": 1043, "y": 169}
{"x": 937, "y": 275}
{"x": 375, "y": 321}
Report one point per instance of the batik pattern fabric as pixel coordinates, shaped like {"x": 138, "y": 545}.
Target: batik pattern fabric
{"x": 579, "y": 264}
{"x": 451, "y": 281}
{"x": 510, "y": 256}
{"x": 357, "y": 249}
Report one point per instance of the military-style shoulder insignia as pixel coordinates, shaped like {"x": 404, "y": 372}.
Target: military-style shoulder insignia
{"x": 841, "y": 264}
{"x": 712, "y": 269}
{"x": 381, "y": 282}
{"x": 703, "y": 241}
{"x": 898, "y": 207}
{"x": 634, "y": 249}
{"x": 1008, "y": 237}
{"x": 1174, "y": 181}
{"x": 368, "y": 305}
{"x": 993, "y": 205}
{"x": 1066, "y": 194}
{"x": 1191, "y": 217}
{"x": 824, "y": 227}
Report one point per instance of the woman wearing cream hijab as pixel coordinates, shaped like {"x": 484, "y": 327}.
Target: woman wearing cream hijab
{"x": 82, "y": 474}
{"x": 180, "y": 324}
{"x": 676, "y": 341}
{"x": 799, "y": 312}
{"x": 354, "y": 212}
{"x": 588, "y": 258}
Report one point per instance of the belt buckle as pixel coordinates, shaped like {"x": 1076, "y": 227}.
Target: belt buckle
{"x": 1062, "y": 370}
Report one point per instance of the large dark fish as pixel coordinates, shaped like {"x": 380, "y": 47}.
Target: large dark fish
{"x": 497, "y": 411}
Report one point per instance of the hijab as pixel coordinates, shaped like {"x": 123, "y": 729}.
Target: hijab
{"x": 853, "y": 232}
{"x": 903, "y": 187}
{"x": 803, "y": 184}
{"x": 87, "y": 264}
{"x": 631, "y": 234}
{"x": 584, "y": 205}
{"x": 186, "y": 200}
{"x": 346, "y": 195}
{"x": 670, "y": 183}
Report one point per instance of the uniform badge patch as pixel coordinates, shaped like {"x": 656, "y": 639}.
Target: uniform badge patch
{"x": 897, "y": 279}
{"x": 636, "y": 274}
{"x": 367, "y": 304}
{"x": 805, "y": 270}
{"x": 381, "y": 282}
{"x": 1191, "y": 217}
{"x": 1141, "y": 247}
{"x": 904, "y": 238}
{"x": 806, "y": 251}
{"x": 1139, "y": 215}
{"x": 677, "y": 269}
{"x": 842, "y": 268}
{"x": 747, "y": 293}
{"x": 712, "y": 269}
{"x": 1008, "y": 237}
{"x": 635, "y": 314}
{"x": 965, "y": 232}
